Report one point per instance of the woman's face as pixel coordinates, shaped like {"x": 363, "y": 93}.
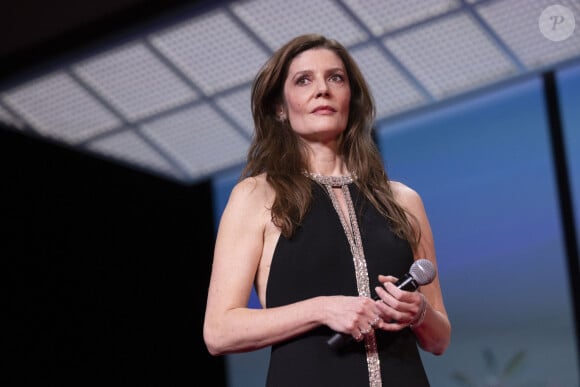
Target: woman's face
{"x": 317, "y": 95}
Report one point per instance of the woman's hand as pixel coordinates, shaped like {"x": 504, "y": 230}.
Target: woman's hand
{"x": 398, "y": 308}
{"x": 356, "y": 316}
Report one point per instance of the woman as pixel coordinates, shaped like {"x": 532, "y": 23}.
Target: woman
{"x": 321, "y": 232}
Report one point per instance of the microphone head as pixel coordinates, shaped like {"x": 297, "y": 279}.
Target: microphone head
{"x": 423, "y": 271}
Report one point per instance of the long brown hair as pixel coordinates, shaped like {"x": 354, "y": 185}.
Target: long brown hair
{"x": 277, "y": 151}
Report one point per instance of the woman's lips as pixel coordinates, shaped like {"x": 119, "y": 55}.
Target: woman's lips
{"x": 324, "y": 110}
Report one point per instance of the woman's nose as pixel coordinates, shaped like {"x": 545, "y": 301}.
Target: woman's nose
{"x": 322, "y": 89}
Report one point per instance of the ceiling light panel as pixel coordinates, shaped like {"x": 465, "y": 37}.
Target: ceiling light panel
{"x": 277, "y": 21}
{"x": 237, "y": 105}
{"x": 200, "y": 138}
{"x": 391, "y": 90}
{"x": 451, "y": 55}
{"x": 384, "y": 16}
{"x": 134, "y": 81}
{"x": 212, "y": 50}
{"x": 517, "y": 24}
{"x": 58, "y": 107}
{"x": 126, "y": 146}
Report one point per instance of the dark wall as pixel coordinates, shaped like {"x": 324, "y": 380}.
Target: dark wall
{"x": 106, "y": 272}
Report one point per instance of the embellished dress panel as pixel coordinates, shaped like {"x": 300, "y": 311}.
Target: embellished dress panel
{"x": 317, "y": 261}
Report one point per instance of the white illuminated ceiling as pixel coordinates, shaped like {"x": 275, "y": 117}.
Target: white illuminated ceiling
{"x": 173, "y": 100}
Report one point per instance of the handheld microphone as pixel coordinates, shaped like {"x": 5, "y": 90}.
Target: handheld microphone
{"x": 422, "y": 272}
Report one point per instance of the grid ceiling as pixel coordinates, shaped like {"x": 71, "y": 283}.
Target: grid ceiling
{"x": 175, "y": 100}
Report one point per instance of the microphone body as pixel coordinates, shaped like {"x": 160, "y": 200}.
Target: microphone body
{"x": 406, "y": 282}
{"x": 422, "y": 272}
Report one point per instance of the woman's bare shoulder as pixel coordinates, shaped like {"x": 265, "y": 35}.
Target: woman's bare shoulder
{"x": 251, "y": 185}
{"x": 405, "y": 195}
{"x": 252, "y": 190}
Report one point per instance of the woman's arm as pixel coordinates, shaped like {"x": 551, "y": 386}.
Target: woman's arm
{"x": 434, "y": 331}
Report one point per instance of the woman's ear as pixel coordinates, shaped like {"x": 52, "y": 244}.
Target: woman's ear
{"x": 281, "y": 113}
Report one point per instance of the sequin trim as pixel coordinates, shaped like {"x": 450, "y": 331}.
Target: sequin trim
{"x": 360, "y": 265}
{"x": 333, "y": 181}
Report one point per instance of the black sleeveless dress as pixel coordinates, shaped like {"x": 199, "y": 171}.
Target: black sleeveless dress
{"x": 317, "y": 261}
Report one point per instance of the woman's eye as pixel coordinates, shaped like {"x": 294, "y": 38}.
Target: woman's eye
{"x": 337, "y": 78}
{"x": 302, "y": 81}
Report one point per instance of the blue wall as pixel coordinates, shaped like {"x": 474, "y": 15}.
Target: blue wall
{"x": 485, "y": 170}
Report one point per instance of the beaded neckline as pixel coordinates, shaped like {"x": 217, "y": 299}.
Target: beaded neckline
{"x": 333, "y": 181}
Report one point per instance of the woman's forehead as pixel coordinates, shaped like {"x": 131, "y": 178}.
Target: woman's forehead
{"x": 314, "y": 59}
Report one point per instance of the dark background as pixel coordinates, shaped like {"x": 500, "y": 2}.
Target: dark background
{"x": 105, "y": 269}
{"x": 106, "y": 272}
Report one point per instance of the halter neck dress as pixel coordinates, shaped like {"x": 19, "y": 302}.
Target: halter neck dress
{"x": 324, "y": 258}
